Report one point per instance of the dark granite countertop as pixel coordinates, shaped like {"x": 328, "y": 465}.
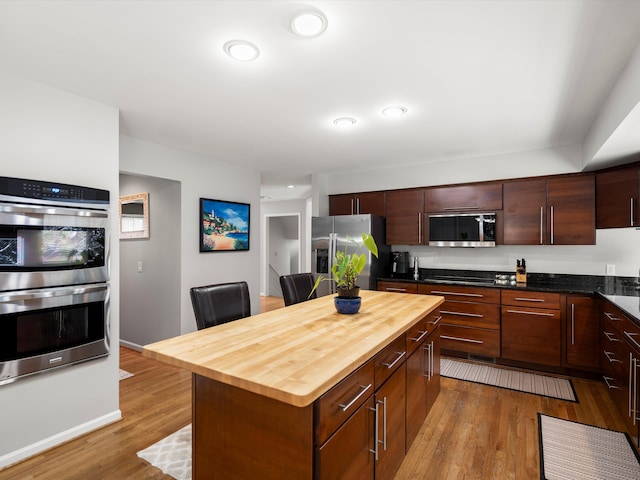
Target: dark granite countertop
{"x": 623, "y": 292}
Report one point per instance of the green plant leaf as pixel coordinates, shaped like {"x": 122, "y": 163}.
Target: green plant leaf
{"x": 370, "y": 243}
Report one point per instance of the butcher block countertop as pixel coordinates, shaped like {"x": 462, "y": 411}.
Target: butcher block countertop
{"x": 297, "y": 353}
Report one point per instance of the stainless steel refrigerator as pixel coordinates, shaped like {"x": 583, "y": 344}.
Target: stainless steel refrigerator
{"x": 329, "y": 234}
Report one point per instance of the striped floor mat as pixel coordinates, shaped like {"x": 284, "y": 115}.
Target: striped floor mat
{"x": 511, "y": 379}
{"x": 571, "y": 450}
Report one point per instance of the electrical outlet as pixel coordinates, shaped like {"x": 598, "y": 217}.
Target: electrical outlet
{"x": 611, "y": 269}
{"x": 139, "y": 267}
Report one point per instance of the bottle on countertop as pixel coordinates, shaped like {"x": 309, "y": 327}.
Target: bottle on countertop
{"x": 521, "y": 271}
{"x": 416, "y": 270}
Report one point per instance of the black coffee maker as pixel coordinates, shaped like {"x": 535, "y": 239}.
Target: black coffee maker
{"x": 399, "y": 264}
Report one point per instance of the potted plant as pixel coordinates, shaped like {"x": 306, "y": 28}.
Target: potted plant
{"x": 344, "y": 272}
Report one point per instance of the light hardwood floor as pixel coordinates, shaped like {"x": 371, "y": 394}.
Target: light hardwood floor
{"x": 473, "y": 432}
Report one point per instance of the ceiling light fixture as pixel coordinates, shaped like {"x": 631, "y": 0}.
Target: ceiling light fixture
{"x": 344, "y": 122}
{"x": 241, "y": 50}
{"x": 394, "y": 111}
{"x": 309, "y": 24}
{"x": 291, "y": 186}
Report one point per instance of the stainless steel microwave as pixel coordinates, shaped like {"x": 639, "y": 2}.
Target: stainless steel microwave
{"x": 462, "y": 230}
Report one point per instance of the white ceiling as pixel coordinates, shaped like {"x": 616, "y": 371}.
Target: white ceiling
{"x": 478, "y": 77}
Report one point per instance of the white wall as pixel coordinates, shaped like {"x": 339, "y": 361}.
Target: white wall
{"x": 514, "y": 165}
{"x": 619, "y": 247}
{"x": 206, "y": 178}
{"x": 299, "y": 208}
{"x": 150, "y": 299}
{"x": 47, "y": 134}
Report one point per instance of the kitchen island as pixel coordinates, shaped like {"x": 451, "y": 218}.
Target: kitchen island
{"x": 269, "y": 390}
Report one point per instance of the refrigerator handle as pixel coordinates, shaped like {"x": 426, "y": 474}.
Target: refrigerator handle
{"x": 333, "y": 242}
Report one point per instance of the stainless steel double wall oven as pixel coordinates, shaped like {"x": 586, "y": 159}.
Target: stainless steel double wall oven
{"x": 54, "y": 276}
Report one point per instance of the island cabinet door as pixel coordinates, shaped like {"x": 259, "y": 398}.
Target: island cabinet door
{"x": 347, "y": 454}
{"x": 417, "y": 364}
{"x": 432, "y": 351}
{"x": 390, "y": 432}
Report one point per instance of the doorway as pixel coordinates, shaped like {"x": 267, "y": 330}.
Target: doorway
{"x": 283, "y": 250}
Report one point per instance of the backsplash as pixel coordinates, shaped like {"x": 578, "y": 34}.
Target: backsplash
{"x": 619, "y": 247}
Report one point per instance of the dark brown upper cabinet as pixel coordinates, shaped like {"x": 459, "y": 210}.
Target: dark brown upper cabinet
{"x": 461, "y": 198}
{"x": 617, "y": 193}
{"x": 553, "y": 211}
{"x": 357, "y": 203}
{"x": 405, "y": 217}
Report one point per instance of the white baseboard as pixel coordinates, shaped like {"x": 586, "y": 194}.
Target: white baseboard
{"x": 55, "y": 440}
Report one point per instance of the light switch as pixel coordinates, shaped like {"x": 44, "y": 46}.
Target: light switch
{"x": 139, "y": 267}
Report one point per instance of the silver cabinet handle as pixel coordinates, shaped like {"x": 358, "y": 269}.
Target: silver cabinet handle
{"x": 384, "y": 423}
{"x": 438, "y": 292}
{"x": 358, "y": 205}
{"x": 630, "y": 336}
{"x": 458, "y": 339}
{"x": 528, "y": 299}
{"x": 436, "y": 321}
{"x": 462, "y": 314}
{"x": 419, "y": 339}
{"x": 606, "y": 380}
{"x": 398, "y": 358}
{"x": 632, "y": 219}
{"x": 609, "y": 355}
{"x": 475, "y": 207}
{"x": 395, "y": 289}
{"x": 611, "y": 316}
{"x": 541, "y": 224}
{"x": 539, "y": 314}
{"x": 363, "y": 389}
{"x": 429, "y": 351}
{"x": 420, "y": 239}
{"x": 352, "y": 212}
{"x": 631, "y": 362}
{"x": 573, "y": 324}
{"x": 611, "y": 337}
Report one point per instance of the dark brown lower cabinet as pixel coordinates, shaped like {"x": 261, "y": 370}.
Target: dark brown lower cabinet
{"x": 531, "y": 335}
{"x": 583, "y": 332}
{"x": 390, "y": 433}
{"x": 347, "y": 454}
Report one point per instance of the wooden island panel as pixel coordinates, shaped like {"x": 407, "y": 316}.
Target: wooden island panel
{"x": 297, "y": 353}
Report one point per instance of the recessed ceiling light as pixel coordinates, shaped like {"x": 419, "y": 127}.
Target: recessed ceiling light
{"x": 344, "y": 122}
{"x": 241, "y": 50}
{"x": 309, "y": 24}
{"x": 394, "y": 111}
{"x": 291, "y": 186}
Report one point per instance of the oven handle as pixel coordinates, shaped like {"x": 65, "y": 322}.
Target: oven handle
{"x": 47, "y": 210}
{"x": 9, "y": 297}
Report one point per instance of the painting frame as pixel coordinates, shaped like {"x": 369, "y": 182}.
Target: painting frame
{"x": 224, "y": 225}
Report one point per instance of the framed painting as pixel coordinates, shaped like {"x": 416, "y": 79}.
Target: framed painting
{"x": 224, "y": 226}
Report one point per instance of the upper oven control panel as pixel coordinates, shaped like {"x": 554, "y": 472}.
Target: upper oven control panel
{"x": 60, "y": 192}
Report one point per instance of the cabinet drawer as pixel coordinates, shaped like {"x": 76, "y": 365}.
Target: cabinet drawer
{"x": 459, "y": 293}
{"x": 531, "y": 299}
{"x": 531, "y": 335}
{"x": 389, "y": 359}
{"x": 400, "y": 287}
{"x": 334, "y": 407}
{"x": 480, "y": 315}
{"x": 480, "y": 341}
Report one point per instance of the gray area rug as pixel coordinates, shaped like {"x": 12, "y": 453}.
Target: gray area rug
{"x": 571, "y": 450}
{"x": 172, "y": 454}
{"x": 544, "y": 385}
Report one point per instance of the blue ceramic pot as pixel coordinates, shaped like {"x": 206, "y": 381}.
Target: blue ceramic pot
{"x": 347, "y": 305}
